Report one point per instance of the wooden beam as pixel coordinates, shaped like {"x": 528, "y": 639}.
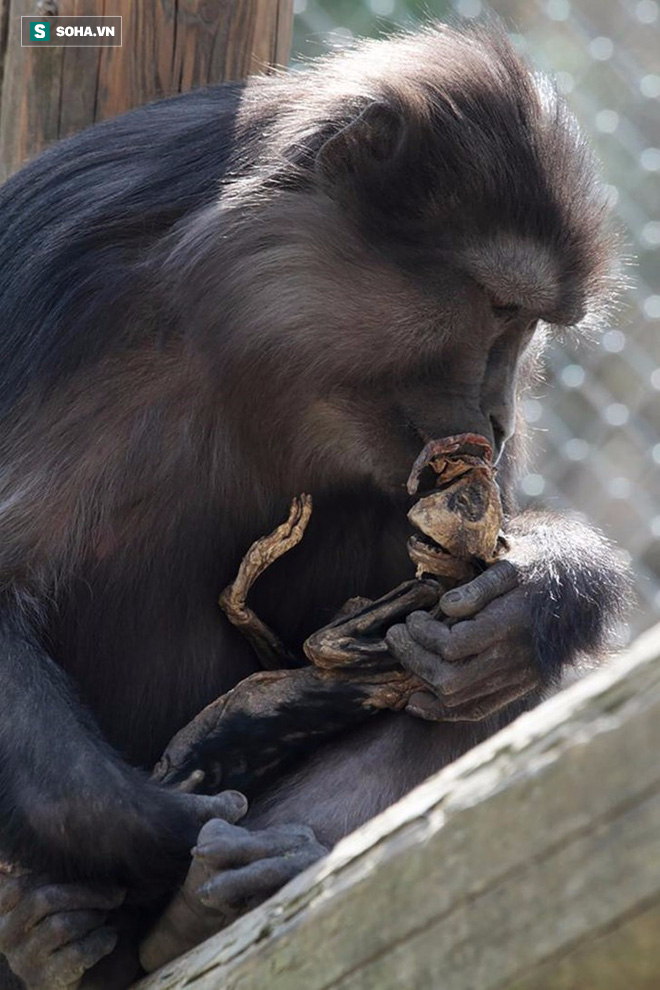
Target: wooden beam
{"x": 533, "y": 863}
{"x": 169, "y": 46}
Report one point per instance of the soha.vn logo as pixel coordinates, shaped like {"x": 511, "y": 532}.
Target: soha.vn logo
{"x": 39, "y": 31}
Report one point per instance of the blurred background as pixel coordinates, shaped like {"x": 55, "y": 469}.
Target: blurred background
{"x": 596, "y": 420}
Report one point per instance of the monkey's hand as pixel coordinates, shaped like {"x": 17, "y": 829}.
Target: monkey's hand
{"x": 232, "y": 871}
{"x": 52, "y": 934}
{"x": 482, "y": 663}
{"x": 65, "y": 936}
{"x": 516, "y": 628}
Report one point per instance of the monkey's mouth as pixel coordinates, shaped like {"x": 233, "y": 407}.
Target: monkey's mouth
{"x": 422, "y": 545}
{"x": 431, "y": 558}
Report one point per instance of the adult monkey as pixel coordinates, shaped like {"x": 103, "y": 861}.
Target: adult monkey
{"x": 209, "y": 305}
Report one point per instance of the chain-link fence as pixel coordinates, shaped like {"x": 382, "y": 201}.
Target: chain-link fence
{"x": 597, "y": 420}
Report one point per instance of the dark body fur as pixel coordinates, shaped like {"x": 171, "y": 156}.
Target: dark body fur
{"x": 216, "y": 302}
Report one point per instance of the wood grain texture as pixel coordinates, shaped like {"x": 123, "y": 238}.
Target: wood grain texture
{"x": 169, "y": 46}
{"x": 4, "y": 29}
{"x": 533, "y": 863}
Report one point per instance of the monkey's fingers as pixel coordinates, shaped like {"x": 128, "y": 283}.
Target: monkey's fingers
{"x": 496, "y": 581}
{"x": 507, "y": 620}
{"x": 425, "y": 705}
{"x": 221, "y": 846}
{"x": 65, "y": 968}
{"x": 52, "y": 934}
{"x": 233, "y": 892}
{"x": 467, "y": 689}
{"x": 225, "y": 896}
{"x": 233, "y": 870}
{"x": 228, "y": 806}
{"x": 28, "y": 901}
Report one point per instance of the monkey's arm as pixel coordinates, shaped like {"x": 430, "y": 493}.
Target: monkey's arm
{"x": 69, "y": 806}
{"x": 510, "y": 631}
{"x": 577, "y": 586}
{"x": 246, "y": 737}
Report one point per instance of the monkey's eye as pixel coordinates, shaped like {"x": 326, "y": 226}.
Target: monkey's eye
{"x": 505, "y": 310}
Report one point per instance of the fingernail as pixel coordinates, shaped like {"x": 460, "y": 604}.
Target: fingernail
{"x": 205, "y": 893}
{"x": 239, "y": 800}
{"x": 452, "y": 596}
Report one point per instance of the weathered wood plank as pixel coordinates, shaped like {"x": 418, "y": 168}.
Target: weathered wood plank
{"x": 4, "y": 28}
{"x": 533, "y": 863}
{"x": 625, "y": 956}
{"x": 169, "y": 46}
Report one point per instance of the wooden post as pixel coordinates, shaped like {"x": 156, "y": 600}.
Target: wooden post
{"x": 532, "y": 863}
{"x": 169, "y": 46}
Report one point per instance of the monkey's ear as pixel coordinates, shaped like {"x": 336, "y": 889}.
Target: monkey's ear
{"x": 369, "y": 145}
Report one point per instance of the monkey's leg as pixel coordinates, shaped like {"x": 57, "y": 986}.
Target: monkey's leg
{"x": 263, "y": 552}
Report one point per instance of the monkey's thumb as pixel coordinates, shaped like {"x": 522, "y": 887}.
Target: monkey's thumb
{"x": 231, "y": 806}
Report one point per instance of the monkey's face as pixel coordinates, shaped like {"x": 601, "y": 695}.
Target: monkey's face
{"x": 366, "y": 344}
{"x": 397, "y": 247}
{"x": 367, "y": 347}
{"x": 408, "y": 352}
